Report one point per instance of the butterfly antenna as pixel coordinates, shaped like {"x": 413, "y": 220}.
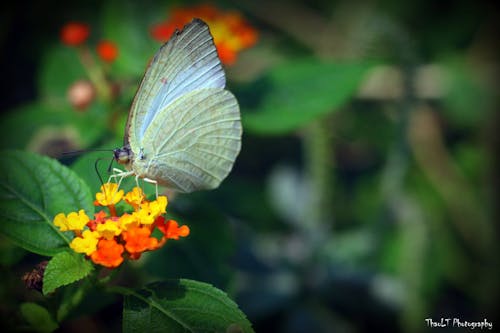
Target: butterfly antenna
{"x": 81, "y": 151}
{"x": 110, "y": 165}
{"x": 97, "y": 170}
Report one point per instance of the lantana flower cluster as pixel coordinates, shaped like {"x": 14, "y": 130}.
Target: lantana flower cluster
{"x": 108, "y": 239}
{"x": 230, "y": 30}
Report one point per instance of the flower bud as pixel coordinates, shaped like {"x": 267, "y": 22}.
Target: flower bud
{"x": 81, "y": 94}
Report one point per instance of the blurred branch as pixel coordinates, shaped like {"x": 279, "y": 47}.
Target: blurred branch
{"x": 414, "y": 250}
{"x": 95, "y": 73}
{"x": 426, "y": 140}
{"x": 385, "y": 82}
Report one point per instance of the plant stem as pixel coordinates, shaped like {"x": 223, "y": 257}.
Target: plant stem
{"x": 318, "y": 155}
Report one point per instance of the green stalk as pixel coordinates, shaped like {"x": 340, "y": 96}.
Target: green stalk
{"x": 318, "y": 155}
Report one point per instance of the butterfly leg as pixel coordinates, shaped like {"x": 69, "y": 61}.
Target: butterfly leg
{"x": 117, "y": 173}
{"x": 152, "y": 181}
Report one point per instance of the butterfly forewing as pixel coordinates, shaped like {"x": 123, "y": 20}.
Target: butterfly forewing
{"x": 187, "y": 62}
{"x": 193, "y": 142}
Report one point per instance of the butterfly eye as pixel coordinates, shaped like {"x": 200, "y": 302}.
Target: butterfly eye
{"x": 141, "y": 154}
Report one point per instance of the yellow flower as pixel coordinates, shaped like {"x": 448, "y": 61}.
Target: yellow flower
{"x": 74, "y": 221}
{"x": 109, "y": 195}
{"x": 149, "y": 211}
{"x": 86, "y": 244}
{"x": 61, "y": 221}
{"x": 135, "y": 197}
{"x": 128, "y": 221}
{"x": 108, "y": 229}
{"x": 158, "y": 206}
{"x": 144, "y": 215}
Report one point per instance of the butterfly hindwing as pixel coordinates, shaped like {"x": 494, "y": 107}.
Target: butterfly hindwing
{"x": 193, "y": 142}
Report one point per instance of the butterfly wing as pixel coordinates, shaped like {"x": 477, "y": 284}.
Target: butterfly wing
{"x": 187, "y": 62}
{"x": 193, "y": 142}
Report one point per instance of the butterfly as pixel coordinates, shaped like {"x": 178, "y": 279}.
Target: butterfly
{"x": 183, "y": 129}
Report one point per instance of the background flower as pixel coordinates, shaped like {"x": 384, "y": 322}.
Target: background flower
{"x": 107, "y": 50}
{"x": 75, "y": 33}
{"x": 231, "y": 32}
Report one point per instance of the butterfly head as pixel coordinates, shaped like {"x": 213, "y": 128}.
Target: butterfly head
{"x": 123, "y": 155}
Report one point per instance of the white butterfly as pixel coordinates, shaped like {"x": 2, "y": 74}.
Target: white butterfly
{"x": 183, "y": 130}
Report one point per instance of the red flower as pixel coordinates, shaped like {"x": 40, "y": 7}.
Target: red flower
{"x": 108, "y": 51}
{"x": 74, "y": 33}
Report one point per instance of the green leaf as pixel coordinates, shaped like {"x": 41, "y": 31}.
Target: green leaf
{"x": 301, "y": 91}
{"x": 467, "y": 99}
{"x": 29, "y": 125}
{"x": 33, "y": 189}
{"x": 65, "y": 268}
{"x": 40, "y": 127}
{"x": 85, "y": 166}
{"x": 59, "y": 69}
{"x": 127, "y": 25}
{"x": 38, "y": 317}
{"x": 182, "y": 306}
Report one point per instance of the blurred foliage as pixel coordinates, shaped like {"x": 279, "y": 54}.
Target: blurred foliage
{"x": 359, "y": 201}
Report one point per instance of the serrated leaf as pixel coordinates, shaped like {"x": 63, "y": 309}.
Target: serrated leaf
{"x": 38, "y": 317}
{"x": 301, "y": 91}
{"x": 33, "y": 189}
{"x": 182, "y": 306}
{"x": 65, "y": 268}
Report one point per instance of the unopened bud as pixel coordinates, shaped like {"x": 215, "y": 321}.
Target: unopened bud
{"x": 81, "y": 94}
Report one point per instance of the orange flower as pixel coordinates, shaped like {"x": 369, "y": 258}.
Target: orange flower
{"x": 74, "y": 33}
{"x": 226, "y": 54}
{"x": 108, "y": 253}
{"x": 138, "y": 240}
{"x": 162, "y": 31}
{"x": 108, "y": 51}
{"x": 171, "y": 229}
{"x": 230, "y": 31}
